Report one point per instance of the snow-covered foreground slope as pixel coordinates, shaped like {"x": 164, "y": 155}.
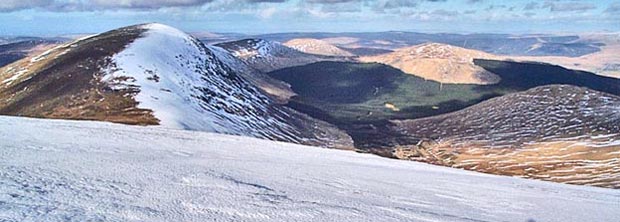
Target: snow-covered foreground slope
{"x": 57, "y": 170}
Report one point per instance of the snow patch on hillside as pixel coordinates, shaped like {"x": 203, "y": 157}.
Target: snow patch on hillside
{"x": 267, "y": 56}
{"x": 259, "y": 48}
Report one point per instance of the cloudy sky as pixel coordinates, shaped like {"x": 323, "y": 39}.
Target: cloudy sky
{"x": 56, "y": 17}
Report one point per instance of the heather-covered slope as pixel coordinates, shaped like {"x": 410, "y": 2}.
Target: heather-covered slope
{"x": 116, "y": 172}
{"x": 559, "y": 133}
{"x": 66, "y": 82}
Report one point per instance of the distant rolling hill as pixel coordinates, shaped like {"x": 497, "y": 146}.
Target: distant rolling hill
{"x": 17, "y": 49}
{"x": 317, "y": 47}
{"x": 501, "y": 44}
{"x": 604, "y": 62}
{"x": 438, "y": 62}
{"x": 368, "y": 51}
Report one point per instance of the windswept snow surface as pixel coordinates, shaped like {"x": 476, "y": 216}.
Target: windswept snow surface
{"x": 59, "y": 170}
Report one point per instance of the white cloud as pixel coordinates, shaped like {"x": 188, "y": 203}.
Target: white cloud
{"x": 568, "y": 6}
{"x": 12, "y": 5}
{"x": 267, "y": 12}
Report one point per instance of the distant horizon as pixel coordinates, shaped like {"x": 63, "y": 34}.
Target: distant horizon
{"x": 254, "y": 17}
{"x": 196, "y": 32}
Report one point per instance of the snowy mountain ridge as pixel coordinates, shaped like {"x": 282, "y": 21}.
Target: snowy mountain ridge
{"x": 171, "y": 80}
{"x": 192, "y": 86}
{"x": 161, "y": 74}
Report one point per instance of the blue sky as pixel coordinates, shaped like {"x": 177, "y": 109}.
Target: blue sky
{"x": 57, "y": 17}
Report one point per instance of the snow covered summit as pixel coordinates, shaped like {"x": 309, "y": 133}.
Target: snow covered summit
{"x": 186, "y": 86}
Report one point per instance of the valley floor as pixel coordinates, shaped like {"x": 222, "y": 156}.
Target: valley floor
{"x": 56, "y": 170}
